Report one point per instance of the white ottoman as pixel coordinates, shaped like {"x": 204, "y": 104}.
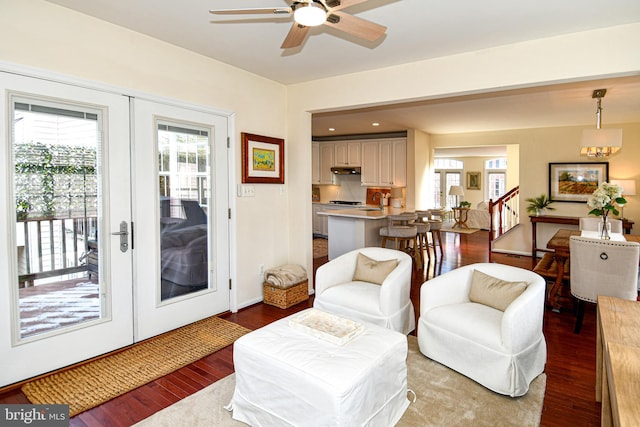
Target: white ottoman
{"x": 287, "y": 377}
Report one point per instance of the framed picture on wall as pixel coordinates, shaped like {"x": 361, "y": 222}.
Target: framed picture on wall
{"x": 262, "y": 159}
{"x": 473, "y": 180}
{"x": 574, "y": 182}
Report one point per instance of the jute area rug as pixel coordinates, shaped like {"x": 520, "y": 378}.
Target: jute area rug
{"x": 444, "y": 398}
{"x": 96, "y": 382}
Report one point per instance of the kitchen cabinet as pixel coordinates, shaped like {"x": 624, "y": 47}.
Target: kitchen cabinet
{"x": 327, "y": 154}
{"x": 370, "y": 163}
{"x": 393, "y": 163}
{"x": 315, "y": 163}
{"x": 384, "y": 163}
{"x": 347, "y": 153}
{"x": 320, "y": 227}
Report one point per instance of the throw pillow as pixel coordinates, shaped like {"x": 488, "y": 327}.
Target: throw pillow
{"x": 373, "y": 271}
{"x": 494, "y": 292}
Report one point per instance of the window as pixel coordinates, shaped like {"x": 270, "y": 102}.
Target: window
{"x": 496, "y": 177}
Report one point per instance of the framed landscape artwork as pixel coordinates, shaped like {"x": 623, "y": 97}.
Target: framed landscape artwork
{"x": 262, "y": 159}
{"x": 574, "y": 182}
{"x": 473, "y": 180}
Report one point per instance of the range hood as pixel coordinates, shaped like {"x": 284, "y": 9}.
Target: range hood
{"x": 345, "y": 170}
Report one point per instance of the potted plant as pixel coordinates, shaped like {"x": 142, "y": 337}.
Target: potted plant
{"x": 537, "y": 205}
{"x": 465, "y": 204}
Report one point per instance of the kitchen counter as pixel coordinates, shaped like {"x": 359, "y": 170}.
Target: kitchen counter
{"x": 363, "y": 212}
{"x": 355, "y": 228}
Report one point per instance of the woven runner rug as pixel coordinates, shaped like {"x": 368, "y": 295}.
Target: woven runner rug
{"x": 448, "y": 229}
{"x": 443, "y": 398}
{"x": 96, "y": 382}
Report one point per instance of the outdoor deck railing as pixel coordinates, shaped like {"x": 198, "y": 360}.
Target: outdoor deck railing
{"x": 50, "y": 247}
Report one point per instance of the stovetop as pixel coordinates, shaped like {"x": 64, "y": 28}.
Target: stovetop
{"x": 344, "y": 202}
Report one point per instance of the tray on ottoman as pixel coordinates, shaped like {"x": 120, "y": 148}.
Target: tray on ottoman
{"x": 326, "y": 326}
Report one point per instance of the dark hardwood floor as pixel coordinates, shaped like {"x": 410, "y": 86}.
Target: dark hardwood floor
{"x": 569, "y": 397}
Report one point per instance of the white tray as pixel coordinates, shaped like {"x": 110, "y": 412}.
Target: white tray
{"x": 326, "y": 326}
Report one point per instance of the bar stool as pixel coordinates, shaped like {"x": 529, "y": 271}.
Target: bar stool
{"x": 423, "y": 228}
{"x": 436, "y": 235}
{"x": 403, "y": 234}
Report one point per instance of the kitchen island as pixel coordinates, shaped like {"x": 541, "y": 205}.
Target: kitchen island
{"x": 350, "y": 229}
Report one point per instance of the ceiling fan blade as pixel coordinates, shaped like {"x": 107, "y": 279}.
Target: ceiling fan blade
{"x": 343, "y": 4}
{"x": 265, "y": 11}
{"x": 295, "y": 37}
{"x": 355, "y": 26}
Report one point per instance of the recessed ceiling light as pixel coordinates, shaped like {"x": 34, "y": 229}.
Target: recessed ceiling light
{"x": 375, "y": 124}
{"x": 332, "y": 129}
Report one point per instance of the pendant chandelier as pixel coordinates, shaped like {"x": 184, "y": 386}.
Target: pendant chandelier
{"x": 600, "y": 142}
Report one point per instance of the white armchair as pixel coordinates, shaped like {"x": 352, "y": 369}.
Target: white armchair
{"x": 387, "y": 304}
{"x": 502, "y": 350}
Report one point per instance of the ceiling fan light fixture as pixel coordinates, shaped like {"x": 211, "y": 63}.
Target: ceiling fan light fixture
{"x": 310, "y": 15}
{"x": 600, "y": 142}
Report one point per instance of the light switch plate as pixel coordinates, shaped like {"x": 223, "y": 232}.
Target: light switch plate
{"x": 246, "y": 190}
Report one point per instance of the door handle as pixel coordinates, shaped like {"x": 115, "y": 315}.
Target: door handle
{"x": 124, "y": 234}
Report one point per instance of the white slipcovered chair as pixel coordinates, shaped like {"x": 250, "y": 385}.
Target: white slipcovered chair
{"x": 602, "y": 267}
{"x": 591, "y": 224}
{"x": 502, "y": 350}
{"x": 387, "y": 304}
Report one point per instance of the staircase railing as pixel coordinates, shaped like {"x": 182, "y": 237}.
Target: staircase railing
{"x": 504, "y": 214}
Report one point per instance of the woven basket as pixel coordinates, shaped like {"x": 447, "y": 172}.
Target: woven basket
{"x": 285, "y": 298}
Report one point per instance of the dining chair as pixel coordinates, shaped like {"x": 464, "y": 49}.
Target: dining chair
{"x": 591, "y": 224}
{"x": 602, "y": 267}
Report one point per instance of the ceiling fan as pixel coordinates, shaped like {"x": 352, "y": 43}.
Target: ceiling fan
{"x": 311, "y": 13}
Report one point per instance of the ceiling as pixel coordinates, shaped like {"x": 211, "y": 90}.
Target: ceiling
{"x": 416, "y": 30}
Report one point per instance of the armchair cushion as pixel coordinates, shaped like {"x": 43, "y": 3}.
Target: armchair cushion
{"x": 373, "y": 271}
{"x": 494, "y": 292}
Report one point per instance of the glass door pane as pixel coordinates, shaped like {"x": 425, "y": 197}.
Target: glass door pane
{"x": 183, "y": 163}
{"x": 451, "y": 178}
{"x": 56, "y": 186}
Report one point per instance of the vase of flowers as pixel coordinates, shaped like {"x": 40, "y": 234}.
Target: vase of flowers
{"x": 603, "y": 201}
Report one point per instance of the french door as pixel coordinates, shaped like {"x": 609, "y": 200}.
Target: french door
{"x": 181, "y": 216}
{"x": 116, "y": 222}
{"x": 65, "y": 150}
